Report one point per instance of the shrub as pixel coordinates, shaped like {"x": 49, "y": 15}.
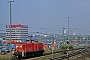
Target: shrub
{"x": 65, "y": 46}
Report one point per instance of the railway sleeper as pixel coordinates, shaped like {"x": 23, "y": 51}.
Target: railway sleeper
{"x": 72, "y": 54}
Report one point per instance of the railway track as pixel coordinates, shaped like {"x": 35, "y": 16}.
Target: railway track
{"x": 80, "y": 51}
{"x": 62, "y": 51}
{"x": 76, "y": 52}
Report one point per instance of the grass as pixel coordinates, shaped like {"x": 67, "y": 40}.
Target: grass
{"x": 47, "y": 57}
{"x": 4, "y": 57}
{"x": 48, "y": 50}
{"x": 54, "y": 55}
{"x": 87, "y": 58}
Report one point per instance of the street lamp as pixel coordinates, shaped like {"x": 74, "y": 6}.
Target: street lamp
{"x": 68, "y": 27}
{"x": 10, "y": 1}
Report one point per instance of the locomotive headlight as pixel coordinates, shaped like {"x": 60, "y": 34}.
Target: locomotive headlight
{"x": 16, "y": 46}
{"x": 20, "y": 46}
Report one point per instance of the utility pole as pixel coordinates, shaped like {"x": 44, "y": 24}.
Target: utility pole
{"x": 10, "y": 1}
{"x": 68, "y": 27}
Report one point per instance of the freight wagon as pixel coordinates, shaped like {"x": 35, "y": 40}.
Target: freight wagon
{"x": 29, "y": 49}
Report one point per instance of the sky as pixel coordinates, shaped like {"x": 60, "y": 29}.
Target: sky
{"x": 49, "y": 15}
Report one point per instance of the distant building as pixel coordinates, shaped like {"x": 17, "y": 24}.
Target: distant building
{"x": 2, "y": 36}
{"x": 19, "y": 32}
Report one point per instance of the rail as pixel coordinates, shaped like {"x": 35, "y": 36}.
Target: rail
{"x": 80, "y": 51}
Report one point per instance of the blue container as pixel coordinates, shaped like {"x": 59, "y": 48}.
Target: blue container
{"x": 0, "y": 44}
{"x": 8, "y": 46}
{"x": 14, "y": 46}
{"x": 57, "y": 46}
{"x": 24, "y": 40}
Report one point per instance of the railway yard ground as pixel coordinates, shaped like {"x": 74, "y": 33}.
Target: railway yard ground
{"x": 81, "y": 56}
{"x": 84, "y": 56}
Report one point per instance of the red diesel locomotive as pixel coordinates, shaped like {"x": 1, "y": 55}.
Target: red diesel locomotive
{"x": 29, "y": 49}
